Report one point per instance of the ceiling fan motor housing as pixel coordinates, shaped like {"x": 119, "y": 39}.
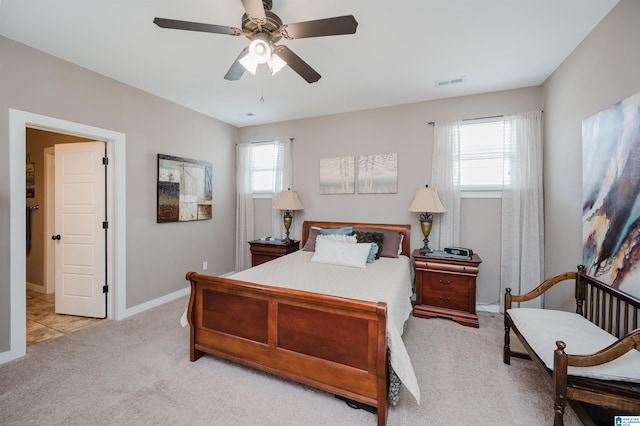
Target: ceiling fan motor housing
{"x": 271, "y": 25}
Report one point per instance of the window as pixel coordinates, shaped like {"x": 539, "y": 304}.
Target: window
{"x": 483, "y": 163}
{"x": 262, "y": 167}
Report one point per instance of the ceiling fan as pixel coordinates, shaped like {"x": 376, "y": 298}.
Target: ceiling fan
{"x": 264, "y": 28}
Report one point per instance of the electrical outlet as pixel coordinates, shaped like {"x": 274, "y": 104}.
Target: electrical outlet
{"x": 205, "y": 265}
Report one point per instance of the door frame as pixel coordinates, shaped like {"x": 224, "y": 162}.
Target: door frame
{"x": 116, "y": 214}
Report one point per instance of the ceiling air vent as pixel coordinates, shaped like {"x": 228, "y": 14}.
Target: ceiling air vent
{"x": 441, "y": 83}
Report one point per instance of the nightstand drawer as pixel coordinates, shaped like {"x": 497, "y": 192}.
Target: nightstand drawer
{"x": 455, "y": 301}
{"x": 446, "y": 282}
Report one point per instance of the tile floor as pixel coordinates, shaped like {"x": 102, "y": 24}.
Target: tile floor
{"x": 44, "y": 324}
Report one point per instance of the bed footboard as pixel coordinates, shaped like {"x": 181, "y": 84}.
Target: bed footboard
{"x": 334, "y": 344}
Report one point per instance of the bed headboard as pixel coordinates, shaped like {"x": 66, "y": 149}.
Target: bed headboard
{"x": 405, "y": 230}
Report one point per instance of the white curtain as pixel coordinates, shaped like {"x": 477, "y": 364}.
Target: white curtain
{"x": 282, "y": 172}
{"x": 244, "y": 206}
{"x": 445, "y": 178}
{"x": 522, "y": 207}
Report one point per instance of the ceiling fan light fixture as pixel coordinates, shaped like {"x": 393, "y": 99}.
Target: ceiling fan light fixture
{"x": 260, "y": 50}
{"x": 276, "y": 63}
{"x": 249, "y": 63}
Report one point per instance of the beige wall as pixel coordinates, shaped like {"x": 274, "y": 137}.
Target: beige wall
{"x": 405, "y": 130}
{"x": 603, "y": 70}
{"x": 158, "y": 255}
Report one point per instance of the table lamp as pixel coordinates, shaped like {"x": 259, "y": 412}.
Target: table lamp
{"x": 426, "y": 202}
{"x": 288, "y": 201}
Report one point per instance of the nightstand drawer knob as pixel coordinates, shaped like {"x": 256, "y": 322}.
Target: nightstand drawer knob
{"x": 445, "y": 299}
{"x": 444, "y": 282}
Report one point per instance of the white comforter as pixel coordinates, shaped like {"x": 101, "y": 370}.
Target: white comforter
{"x": 385, "y": 280}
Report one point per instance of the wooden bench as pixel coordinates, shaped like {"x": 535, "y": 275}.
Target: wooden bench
{"x": 601, "y": 365}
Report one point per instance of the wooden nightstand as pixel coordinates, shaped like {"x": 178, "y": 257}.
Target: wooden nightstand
{"x": 264, "y": 251}
{"x": 446, "y": 287}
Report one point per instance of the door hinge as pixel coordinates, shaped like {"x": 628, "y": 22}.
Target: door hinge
{"x": 105, "y": 160}
{"x": 105, "y": 225}
{"x": 105, "y": 288}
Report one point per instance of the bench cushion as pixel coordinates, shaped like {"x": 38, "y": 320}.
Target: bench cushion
{"x": 543, "y": 327}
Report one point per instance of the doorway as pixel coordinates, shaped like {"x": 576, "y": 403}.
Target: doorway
{"x": 44, "y": 303}
{"x": 19, "y": 121}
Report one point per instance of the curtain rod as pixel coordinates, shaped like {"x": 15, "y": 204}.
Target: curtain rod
{"x": 267, "y": 141}
{"x": 477, "y": 118}
{"x": 472, "y": 119}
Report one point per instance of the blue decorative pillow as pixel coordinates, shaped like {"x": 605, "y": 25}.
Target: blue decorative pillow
{"x": 347, "y": 230}
{"x": 372, "y": 253}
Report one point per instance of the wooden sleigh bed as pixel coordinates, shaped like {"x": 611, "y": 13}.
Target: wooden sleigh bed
{"x": 332, "y": 343}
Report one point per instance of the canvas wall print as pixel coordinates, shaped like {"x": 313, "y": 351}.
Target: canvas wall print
{"x": 378, "y": 174}
{"x": 184, "y": 189}
{"x": 611, "y": 190}
{"x": 337, "y": 175}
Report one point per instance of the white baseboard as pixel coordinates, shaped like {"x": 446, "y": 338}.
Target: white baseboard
{"x": 161, "y": 300}
{"x": 155, "y": 302}
{"x": 10, "y": 355}
{"x": 35, "y": 287}
{"x": 488, "y": 308}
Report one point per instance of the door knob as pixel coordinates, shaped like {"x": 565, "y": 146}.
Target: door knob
{"x": 55, "y": 237}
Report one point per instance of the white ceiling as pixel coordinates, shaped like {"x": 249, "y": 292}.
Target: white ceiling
{"x": 400, "y": 49}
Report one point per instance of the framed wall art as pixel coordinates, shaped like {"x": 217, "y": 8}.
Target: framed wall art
{"x": 378, "y": 174}
{"x": 611, "y": 195}
{"x": 184, "y": 189}
{"x": 337, "y": 175}
{"x": 30, "y": 168}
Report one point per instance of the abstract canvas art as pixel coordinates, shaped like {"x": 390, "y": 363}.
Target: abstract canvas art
{"x": 378, "y": 174}
{"x": 611, "y": 195}
{"x": 184, "y": 189}
{"x": 337, "y": 175}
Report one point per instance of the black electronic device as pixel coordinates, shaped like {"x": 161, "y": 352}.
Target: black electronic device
{"x": 459, "y": 251}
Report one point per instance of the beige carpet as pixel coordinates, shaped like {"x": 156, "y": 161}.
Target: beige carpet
{"x": 137, "y": 372}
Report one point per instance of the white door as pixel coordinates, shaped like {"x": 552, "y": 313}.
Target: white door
{"x": 79, "y": 233}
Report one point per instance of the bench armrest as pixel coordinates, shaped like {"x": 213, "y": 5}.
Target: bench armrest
{"x": 611, "y": 352}
{"x": 544, "y": 286}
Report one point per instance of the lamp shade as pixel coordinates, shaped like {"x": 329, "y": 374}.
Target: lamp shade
{"x": 427, "y": 201}
{"x": 260, "y": 50}
{"x": 288, "y": 200}
{"x": 276, "y": 63}
{"x": 249, "y": 63}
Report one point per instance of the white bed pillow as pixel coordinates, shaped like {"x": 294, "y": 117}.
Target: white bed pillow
{"x": 338, "y": 237}
{"x": 341, "y": 253}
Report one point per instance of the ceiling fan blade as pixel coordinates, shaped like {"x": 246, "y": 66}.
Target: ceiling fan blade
{"x": 322, "y": 27}
{"x": 196, "y": 26}
{"x": 237, "y": 70}
{"x": 297, "y": 64}
{"x": 254, "y": 9}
